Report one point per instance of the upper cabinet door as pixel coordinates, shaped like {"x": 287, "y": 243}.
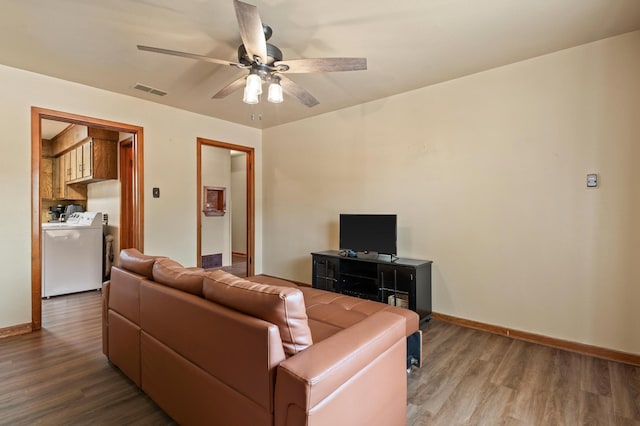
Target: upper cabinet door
{"x": 79, "y": 165}
{"x": 87, "y": 159}
{"x": 70, "y": 166}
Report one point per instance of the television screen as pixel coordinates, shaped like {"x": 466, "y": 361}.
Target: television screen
{"x": 368, "y": 232}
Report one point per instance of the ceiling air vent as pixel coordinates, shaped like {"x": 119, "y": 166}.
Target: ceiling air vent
{"x": 148, "y": 89}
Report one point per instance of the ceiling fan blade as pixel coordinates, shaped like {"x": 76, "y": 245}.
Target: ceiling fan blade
{"x": 323, "y": 65}
{"x": 189, "y": 55}
{"x": 298, "y": 92}
{"x": 230, "y": 88}
{"x": 251, "y": 30}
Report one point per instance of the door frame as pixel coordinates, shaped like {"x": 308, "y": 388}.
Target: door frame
{"x": 250, "y": 159}
{"x": 37, "y": 114}
{"x": 127, "y": 219}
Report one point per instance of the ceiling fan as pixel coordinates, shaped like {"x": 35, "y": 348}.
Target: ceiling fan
{"x": 264, "y": 63}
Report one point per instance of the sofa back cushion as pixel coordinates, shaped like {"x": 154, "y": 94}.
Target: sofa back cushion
{"x": 171, "y": 273}
{"x": 282, "y": 306}
{"x": 134, "y": 261}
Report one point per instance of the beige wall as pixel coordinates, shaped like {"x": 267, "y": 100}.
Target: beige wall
{"x": 169, "y": 163}
{"x": 487, "y": 174}
{"x": 216, "y": 230}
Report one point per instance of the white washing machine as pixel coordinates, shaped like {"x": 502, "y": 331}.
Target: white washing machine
{"x": 72, "y": 254}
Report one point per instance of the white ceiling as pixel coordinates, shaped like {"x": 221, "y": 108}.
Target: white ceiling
{"x": 408, "y": 43}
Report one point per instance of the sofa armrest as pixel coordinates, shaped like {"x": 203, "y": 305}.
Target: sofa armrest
{"x": 105, "y": 317}
{"x": 356, "y": 376}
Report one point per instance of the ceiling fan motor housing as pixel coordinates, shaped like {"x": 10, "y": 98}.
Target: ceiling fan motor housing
{"x": 273, "y": 55}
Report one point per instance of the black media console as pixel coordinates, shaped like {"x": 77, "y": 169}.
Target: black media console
{"x": 403, "y": 282}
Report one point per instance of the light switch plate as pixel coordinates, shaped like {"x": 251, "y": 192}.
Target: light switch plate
{"x": 592, "y": 181}
{"x": 156, "y": 192}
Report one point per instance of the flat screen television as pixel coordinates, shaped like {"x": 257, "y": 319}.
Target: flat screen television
{"x": 369, "y": 233}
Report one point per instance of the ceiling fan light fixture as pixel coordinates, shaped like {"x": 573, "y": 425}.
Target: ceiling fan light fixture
{"x": 250, "y": 97}
{"x": 253, "y": 89}
{"x": 254, "y": 83}
{"x": 275, "y": 92}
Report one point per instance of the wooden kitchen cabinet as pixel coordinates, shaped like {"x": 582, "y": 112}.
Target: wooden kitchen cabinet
{"x": 52, "y": 182}
{"x": 79, "y": 160}
{"x": 62, "y": 190}
{"x": 70, "y": 165}
{"x": 86, "y": 169}
{"x": 77, "y": 156}
{"x": 94, "y": 160}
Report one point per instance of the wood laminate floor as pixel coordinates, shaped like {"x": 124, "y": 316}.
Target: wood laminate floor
{"x": 238, "y": 266}
{"x": 59, "y": 376}
{"x": 472, "y": 377}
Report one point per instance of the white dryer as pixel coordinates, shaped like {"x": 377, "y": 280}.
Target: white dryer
{"x": 72, "y": 254}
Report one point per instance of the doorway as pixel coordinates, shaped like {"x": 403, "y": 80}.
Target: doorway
{"x": 135, "y": 210}
{"x": 250, "y": 199}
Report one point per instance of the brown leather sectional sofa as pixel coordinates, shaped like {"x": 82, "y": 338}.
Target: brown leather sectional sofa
{"x": 213, "y": 349}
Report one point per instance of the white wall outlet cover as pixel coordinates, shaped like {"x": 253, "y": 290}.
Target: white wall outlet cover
{"x": 592, "y": 181}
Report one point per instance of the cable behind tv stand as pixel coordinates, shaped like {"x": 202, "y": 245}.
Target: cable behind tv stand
{"x": 399, "y": 281}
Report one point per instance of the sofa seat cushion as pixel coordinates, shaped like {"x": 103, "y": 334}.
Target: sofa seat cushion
{"x": 341, "y": 311}
{"x": 170, "y": 273}
{"x": 282, "y": 306}
{"x": 331, "y": 312}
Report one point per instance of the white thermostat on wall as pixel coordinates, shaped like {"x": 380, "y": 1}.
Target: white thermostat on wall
{"x": 592, "y": 181}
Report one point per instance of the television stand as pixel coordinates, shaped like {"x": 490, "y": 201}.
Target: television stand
{"x": 400, "y": 282}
